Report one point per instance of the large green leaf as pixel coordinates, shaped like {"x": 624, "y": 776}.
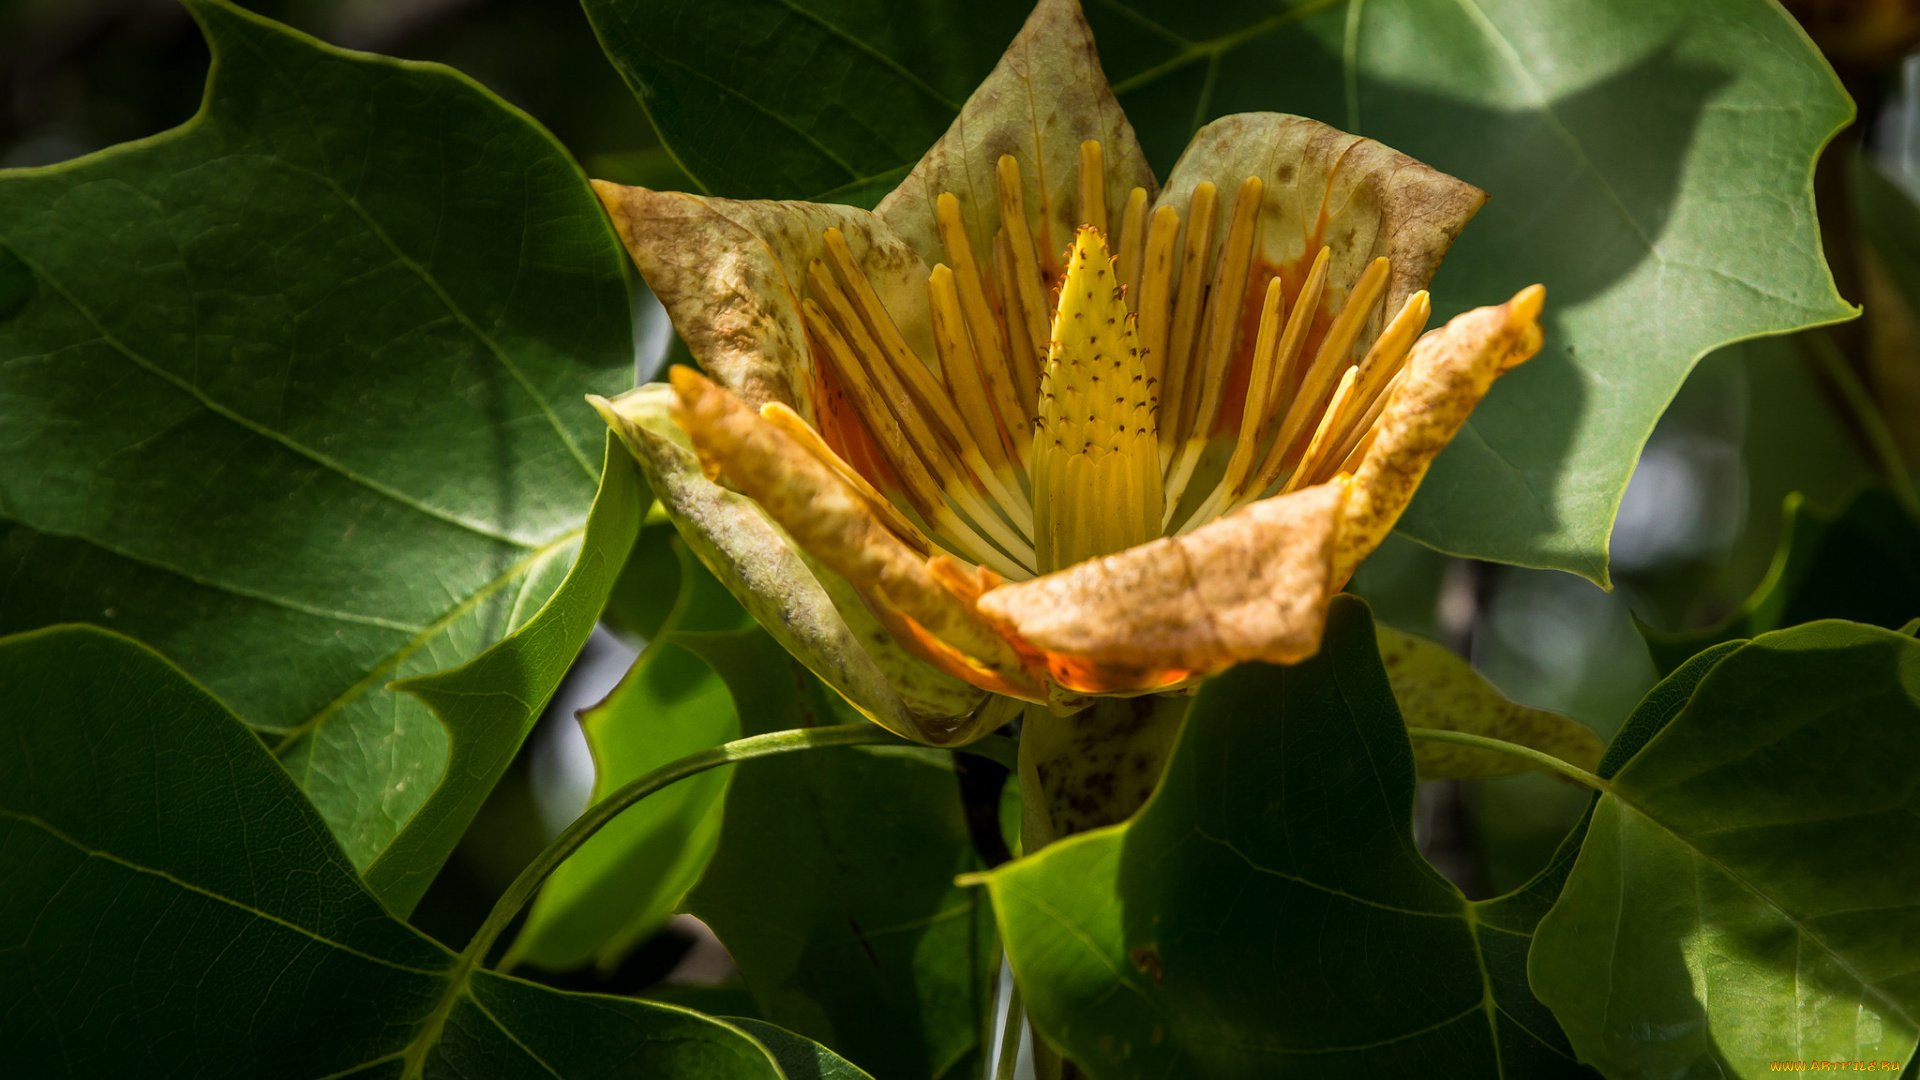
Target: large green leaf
{"x": 293, "y": 394}
{"x": 1267, "y": 913}
{"x": 1747, "y": 890}
{"x": 833, "y": 886}
{"x": 1649, "y": 162}
{"x": 174, "y": 906}
{"x": 622, "y": 885}
{"x": 802, "y": 99}
{"x": 1862, "y": 564}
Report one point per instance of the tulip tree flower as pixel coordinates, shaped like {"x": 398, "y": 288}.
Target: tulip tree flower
{"x": 1039, "y": 429}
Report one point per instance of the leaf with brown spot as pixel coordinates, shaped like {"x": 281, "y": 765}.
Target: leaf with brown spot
{"x": 1436, "y": 689}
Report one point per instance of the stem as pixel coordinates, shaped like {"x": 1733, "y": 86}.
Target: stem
{"x": 601, "y": 813}
{"x": 1013, "y": 1029}
{"x": 1501, "y": 746}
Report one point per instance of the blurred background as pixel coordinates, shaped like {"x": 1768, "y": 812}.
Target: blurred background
{"x": 1814, "y": 418}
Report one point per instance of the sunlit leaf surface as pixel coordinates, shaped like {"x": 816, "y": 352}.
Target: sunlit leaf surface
{"x": 293, "y": 394}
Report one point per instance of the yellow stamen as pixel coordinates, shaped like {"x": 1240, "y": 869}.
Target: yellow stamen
{"x": 985, "y": 399}
{"x": 1337, "y": 406}
{"x": 1384, "y": 361}
{"x": 1187, "y": 306}
{"x": 784, "y": 418}
{"x": 1095, "y": 467}
{"x": 1027, "y": 359}
{"x": 1334, "y": 355}
{"x": 1155, "y": 302}
{"x": 1133, "y": 243}
{"x": 909, "y": 446}
{"x": 901, "y": 367}
{"x": 1354, "y": 447}
{"x": 983, "y": 327}
{"x": 1253, "y": 413}
{"x": 1026, "y": 283}
{"x": 1200, "y": 402}
{"x": 1093, "y": 186}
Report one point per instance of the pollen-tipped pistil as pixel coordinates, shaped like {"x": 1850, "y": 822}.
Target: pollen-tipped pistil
{"x": 1095, "y": 466}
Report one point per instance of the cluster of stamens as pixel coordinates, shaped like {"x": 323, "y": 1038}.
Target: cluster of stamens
{"x": 1071, "y": 402}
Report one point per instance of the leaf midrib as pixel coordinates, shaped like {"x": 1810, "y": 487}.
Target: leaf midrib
{"x": 420, "y": 640}
{"x": 260, "y": 430}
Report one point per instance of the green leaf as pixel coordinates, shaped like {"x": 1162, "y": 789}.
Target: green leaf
{"x": 1747, "y": 888}
{"x": 833, "y": 886}
{"x": 800, "y": 1057}
{"x": 621, "y": 886}
{"x": 491, "y": 702}
{"x": 1650, "y": 163}
{"x": 174, "y": 906}
{"x": 292, "y": 393}
{"x": 1434, "y": 688}
{"x": 1862, "y": 563}
{"x": 805, "y": 100}
{"x": 1267, "y": 913}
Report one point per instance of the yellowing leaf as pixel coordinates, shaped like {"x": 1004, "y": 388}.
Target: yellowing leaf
{"x": 1436, "y": 689}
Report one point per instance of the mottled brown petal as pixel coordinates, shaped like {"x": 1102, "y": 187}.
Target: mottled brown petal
{"x": 813, "y": 612}
{"x": 1448, "y": 373}
{"x": 830, "y": 520}
{"x": 1436, "y": 689}
{"x": 1045, "y": 97}
{"x": 1252, "y": 586}
{"x": 1322, "y": 186}
{"x": 732, "y": 274}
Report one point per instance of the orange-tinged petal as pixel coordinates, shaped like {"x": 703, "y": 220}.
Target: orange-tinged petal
{"x": 833, "y": 521}
{"x": 1448, "y": 373}
{"x": 810, "y": 610}
{"x": 732, "y": 275}
{"x": 1252, "y": 586}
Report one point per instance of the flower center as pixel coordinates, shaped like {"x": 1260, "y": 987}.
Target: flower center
{"x": 1095, "y": 465}
{"x": 1166, "y": 381}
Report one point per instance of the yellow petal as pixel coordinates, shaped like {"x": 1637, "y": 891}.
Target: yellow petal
{"x": 1448, "y": 373}
{"x": 1040, "y": 103}
{"x": 1437, "y": 689}
{"x": 811, "y": 611}
{"x": 732, "y": 275}
{"x": 1252, "y": 586}
{"x": 832, "y": 520}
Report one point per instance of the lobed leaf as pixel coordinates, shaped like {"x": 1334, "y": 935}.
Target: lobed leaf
{"x": 175, "y": 906}
{"x": 1267, "y": 913}
{"x": 292, "y": 393}
{"x": 833, "y": 886}
{"x": 1746, "y": 891}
